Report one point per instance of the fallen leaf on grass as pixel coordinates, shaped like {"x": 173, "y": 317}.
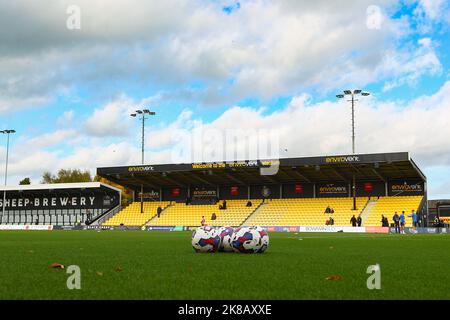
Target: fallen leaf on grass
{"x": 335, "y": 277}
{"x": 56, "y": 266}
{"x": 331, "y": 248}
{"x": 99, "y": 273}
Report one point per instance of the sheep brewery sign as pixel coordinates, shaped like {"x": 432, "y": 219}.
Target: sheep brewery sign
{"x": 56, "y": 202}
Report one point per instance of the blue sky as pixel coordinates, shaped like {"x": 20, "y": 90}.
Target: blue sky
{"x": 223, "y": 65}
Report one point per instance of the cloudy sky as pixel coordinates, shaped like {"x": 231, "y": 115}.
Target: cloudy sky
{"x": 68, "y": 85}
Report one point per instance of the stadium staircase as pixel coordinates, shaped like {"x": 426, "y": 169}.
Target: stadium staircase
{"x": 367, "y": 210}
{"x": 249, "y": 220}
{"x": 132, "y": 216}
{"x": 181, "y": 214}
{"x": 147, "y": 223}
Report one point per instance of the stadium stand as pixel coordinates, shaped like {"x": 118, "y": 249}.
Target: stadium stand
{"x": 308, "y": 212}
{"x": 181, "y": 214}
{"x": 274, "y": 212}
{"x": 387, "y": 206}
{"x": 60, "y": 204}
{"x": 132, "y": 216}
{"x": 296, "y": 194}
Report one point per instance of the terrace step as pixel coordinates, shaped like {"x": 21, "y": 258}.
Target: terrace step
{"x": 254, "y": 214}
{"x": 156, "y": 215}
{"x": 365, "y": 213}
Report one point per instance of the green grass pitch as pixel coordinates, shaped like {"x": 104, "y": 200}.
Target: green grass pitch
{"x": 163, "y": 265}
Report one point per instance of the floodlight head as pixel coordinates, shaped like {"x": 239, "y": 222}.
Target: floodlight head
{"x": 146, "y": 111}
{"x": 365, "y": 94}
{"x": 139, "y": 111}
{"x": 133, "y": 115}
{"x": 7, "y": 131}
{"x": 152, "y": 113}
{"x": 357, "y": 91}
{"x": 339, "y": 96}
{"x": 347, "y": 91}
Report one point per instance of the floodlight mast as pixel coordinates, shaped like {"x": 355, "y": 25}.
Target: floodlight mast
{"x": 352, "y": 94}
{"x": 7, "y": 132}
{"x": 142, "y": 113}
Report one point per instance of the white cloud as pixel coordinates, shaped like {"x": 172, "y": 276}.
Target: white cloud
{"x": 49, "y": 139}
{"x": 434, "y": 9}
{"x": 264, "y": 49}
{"x": 111, "y": 119}
{"x": 409, "y": 68}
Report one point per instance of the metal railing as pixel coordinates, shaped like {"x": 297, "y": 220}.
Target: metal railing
{"x": 106, "y": 216}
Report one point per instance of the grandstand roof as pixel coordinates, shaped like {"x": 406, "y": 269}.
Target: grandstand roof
{"x": 365, "y": 167}
{"x": 56, "y": 187}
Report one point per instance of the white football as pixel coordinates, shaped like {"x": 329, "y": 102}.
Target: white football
{"x": 205, "y": 239}
{"x": 226, "y": 234}
{"x": 250, "y": 240}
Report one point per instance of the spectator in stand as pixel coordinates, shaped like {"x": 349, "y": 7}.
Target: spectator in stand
{"x": 353, "y": 221}
{"x": 203, "y": 221}
{"x": 396, "y": 220}
{"x": 331, "y": 210}
{"x": 158, "y": 211}
{"x": 327, "y": 222}
{"x": 384, "y": 221}
{"x": 249, "y": 203}
{"x": 213, "y": 216}
{"x": 331, "y": 221}
{"x": 328, "y": 209}
{"x": 359, "y": 221}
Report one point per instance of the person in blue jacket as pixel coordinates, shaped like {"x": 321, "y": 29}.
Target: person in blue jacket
{"x": 402, "y": 223}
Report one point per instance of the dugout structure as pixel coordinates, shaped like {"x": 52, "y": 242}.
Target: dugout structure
{"x": 359, "y": 175}
{"x": 61, "y": 204}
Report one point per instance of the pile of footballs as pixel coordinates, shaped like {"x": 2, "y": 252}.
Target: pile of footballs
{"x": 226, "y": 239}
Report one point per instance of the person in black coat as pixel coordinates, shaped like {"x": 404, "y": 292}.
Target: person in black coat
{"x": 359, "y": 221}
{"x": 353, "y": 221}
{"x": 158, "y": 211}
{"x": 396, "y": 219}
